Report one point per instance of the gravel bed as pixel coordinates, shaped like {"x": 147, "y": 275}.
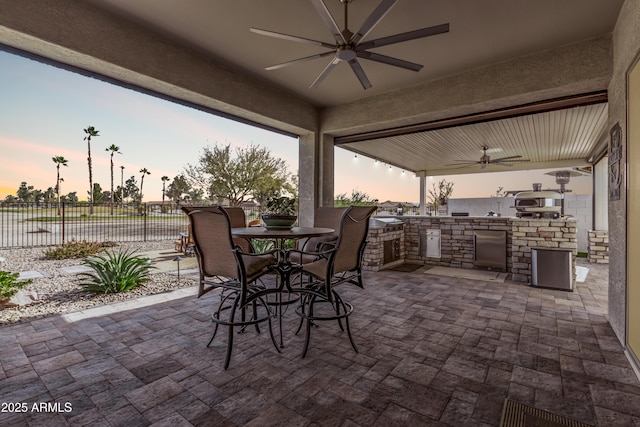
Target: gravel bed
{"x": 58, "y": 292}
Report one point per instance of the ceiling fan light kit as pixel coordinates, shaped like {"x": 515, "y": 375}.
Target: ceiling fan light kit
{"x": 348, "y": 46}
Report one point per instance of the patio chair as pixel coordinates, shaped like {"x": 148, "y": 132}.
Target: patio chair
{"x": 224, "y": 265}
{"x": 327, "y": 217}
{"x": 332, "y": 266}
{"x": 237, "y": 218}
{"x": 185, "y": 243}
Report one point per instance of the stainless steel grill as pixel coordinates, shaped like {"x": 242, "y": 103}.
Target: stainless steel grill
{"x": 538, "y": 203}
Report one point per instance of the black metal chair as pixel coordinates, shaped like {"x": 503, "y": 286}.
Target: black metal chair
{"x": 330, "y": 266}
{"x": 223, "y": 264}
{"x": 325, "y": 217}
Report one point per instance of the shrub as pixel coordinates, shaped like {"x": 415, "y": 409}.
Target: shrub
{"x": 75, "y": 249}
{"x": 10, "y": 285}
{"x": 262, "y": 245}
{"x": 115, "y": 272}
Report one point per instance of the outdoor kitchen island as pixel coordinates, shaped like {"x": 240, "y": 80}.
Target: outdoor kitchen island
{"x": 415, "y": 241}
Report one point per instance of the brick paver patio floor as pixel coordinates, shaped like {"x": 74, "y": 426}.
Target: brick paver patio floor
{"x": 433, "y": 351}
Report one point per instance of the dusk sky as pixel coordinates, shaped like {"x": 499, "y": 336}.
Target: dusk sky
{"x": 44, "y": 109}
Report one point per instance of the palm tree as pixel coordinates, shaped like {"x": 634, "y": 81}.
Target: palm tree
{"x": 114, "y": 149}
{"x": 144, "y": 172}
{"x": 59, "y": 160}
{"x": 90, "y": 131}
{"x": 164, "y": 182}
{"x": 122, "y": 186}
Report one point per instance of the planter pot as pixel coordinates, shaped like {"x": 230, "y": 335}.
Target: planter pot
{"x": 279, "y": 222}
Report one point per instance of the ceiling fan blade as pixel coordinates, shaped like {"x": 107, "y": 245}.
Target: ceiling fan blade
{"x": 403, "y": 37}
{"x": 462, "y": 163}
{"x": 329, "y": 21}
{"x": 330, "y": 66}
{"x": 507, "y": 158}
{"x": 510, "y": 160}
{"x": 389, "y": 60}
{"x": 291, "y": 38}
{"x": 298, "y": 61}
{"x": 463, "y": 166}
{"x": 373, "y": 19}
{"x": 360, "y": 74}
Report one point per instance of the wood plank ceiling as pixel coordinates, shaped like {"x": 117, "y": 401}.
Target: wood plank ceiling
{"x": 560, "y": 138}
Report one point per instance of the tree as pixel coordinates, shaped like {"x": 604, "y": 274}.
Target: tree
{"x": 253, "y": 171}
{"x": 178, "y": 188}
{"x": 358, "y": 198}
{"x": 90, "y": 132}
{"x": 113, "y": 149}
{"x": 164, "y": 182}
{"x": 144, "y": 172}
{"x": 50, "y": 196}
{"x": 59, "y": 160}
{"x": 97, "y": 195}
{"x": 440, "y": 195}
{"x": 38, "y": 195}
{"x": 131, "y": 189}
{"x": 25, "y": 192}
{"x": 71, "y": 197}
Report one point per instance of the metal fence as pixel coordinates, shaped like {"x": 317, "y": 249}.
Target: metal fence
{"x": 31, "y": 224}
{"x": 41, "y": 224}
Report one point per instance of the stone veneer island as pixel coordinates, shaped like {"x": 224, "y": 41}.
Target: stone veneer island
{"x": 457, "y": 242}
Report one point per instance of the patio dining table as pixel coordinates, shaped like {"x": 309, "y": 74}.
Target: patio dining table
{"x": 284, "y": 267}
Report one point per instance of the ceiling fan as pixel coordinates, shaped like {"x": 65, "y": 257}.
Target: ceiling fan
{"x": 486, "y": 160}
{"x": 348, "y": 46}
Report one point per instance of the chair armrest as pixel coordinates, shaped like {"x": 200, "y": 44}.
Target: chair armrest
{"x": 317, "y": 254}
{"x": 273, "y": 252}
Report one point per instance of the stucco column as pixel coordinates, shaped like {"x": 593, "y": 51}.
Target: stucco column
{"x": 308, "y": 178}
{"x": 327, "y": 165}
{"x": 316, "y": 165}
{"x": 423, "y": 192}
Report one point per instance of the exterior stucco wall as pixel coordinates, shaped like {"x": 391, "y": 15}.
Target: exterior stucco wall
{"x": 626, "y": 48}
{"x": 563, "y": 71}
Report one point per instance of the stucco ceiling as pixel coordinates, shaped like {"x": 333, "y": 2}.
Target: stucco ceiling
{"x": 482, "y": 32}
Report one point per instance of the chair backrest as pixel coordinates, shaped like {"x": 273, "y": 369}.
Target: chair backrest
{"x": 237, "y": 216}
{"x": 352, "y": 239}
{"x": 326, "y": 217}
{"x": 211, "y": 230}
{"x": 239, "y": 220}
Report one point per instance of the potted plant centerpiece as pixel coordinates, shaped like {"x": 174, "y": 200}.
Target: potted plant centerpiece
{"x": 280, "y": 213}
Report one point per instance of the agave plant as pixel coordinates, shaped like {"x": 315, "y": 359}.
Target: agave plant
{"x": 10, "y": 284}
{"x": 115, "y": 272}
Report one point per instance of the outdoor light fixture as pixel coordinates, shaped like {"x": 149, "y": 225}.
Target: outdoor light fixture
{"x": 178, "y": 259}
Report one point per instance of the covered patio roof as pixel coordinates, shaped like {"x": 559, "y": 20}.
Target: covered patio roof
{"x": 497, "y": 55}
